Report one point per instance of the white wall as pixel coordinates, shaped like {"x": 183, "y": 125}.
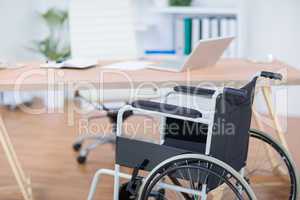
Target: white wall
{"x": 20, "y": 26}
{"x": 18, "y": 23}
{"x": 272, "y": 27}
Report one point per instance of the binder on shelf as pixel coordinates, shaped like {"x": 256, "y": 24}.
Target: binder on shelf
{"x": 219, "y": 26}
{"x": 205, "y": 28}
{"x": 232, "y": 26}
{"x": 200, "y": 29}
{"x": 187, "y": 36}
{"x": 195, "y": 31}
{"x": 224, "y": 30}
{"x": 179, "y": 36}
{"x": 188, "y": 30}
{"x": 214, "y": 27}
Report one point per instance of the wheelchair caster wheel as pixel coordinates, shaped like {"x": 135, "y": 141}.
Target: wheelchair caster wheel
{"x": 81, "y": 159}
{"x": 124, "y": 194}
{"x": 160, "y": 194}
{"x": 76, "y": 146}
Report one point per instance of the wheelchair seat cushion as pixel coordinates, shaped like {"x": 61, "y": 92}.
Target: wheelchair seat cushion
{"x": 132, "y": 153}
{"x": 167, "y": 108}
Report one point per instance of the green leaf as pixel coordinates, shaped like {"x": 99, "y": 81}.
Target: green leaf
{"x": 53, "y": 47}
{"x": 55, "y": 17}
{"x": 180, "y": 2}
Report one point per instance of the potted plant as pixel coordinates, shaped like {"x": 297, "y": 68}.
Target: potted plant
{"x": 180, "y": 2}
{"x": 55, "y": 46}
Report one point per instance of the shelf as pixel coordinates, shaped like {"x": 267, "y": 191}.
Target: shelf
{"x": 197, "y": 11}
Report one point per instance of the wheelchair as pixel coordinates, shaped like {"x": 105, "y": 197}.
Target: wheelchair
{"x": 204, "y": 157}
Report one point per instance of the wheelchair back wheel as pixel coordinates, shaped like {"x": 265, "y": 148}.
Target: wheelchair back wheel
{"x": 194, "y": 176}
{"x": 270, "y": 169}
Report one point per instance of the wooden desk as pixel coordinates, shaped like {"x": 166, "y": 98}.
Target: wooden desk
{"x": 225, "y": 72}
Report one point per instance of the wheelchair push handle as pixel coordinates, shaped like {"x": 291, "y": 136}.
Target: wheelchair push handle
{"x": 271, "y": 75}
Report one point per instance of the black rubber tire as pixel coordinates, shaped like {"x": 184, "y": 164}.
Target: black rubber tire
{"x": 164, "y": 167}
{"x": 284, "y": 155}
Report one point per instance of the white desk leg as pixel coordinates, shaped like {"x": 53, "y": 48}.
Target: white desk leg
{"x": 23, "y": 182}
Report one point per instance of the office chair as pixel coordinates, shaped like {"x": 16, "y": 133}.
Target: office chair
{"x": 110, "y": 109}
{"x": 101, "y": 39}
{"x": 8, "y": 100}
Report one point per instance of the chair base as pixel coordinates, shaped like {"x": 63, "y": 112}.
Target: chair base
{"x": 98, "y": 140}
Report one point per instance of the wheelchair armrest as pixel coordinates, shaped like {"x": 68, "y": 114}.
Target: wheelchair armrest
{"x": 271, "y": 75}
{"x": 167, "y": 108}
{"x": 190, "y": 90}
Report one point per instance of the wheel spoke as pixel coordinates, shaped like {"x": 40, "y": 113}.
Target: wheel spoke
{"x": 190, "y": 176}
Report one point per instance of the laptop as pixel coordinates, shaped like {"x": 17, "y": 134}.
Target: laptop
{"x": 205, "y": 54}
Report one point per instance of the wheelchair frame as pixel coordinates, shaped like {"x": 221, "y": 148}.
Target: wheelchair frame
{"x": 209, "y": 121}
{"x": 117, "y": 174}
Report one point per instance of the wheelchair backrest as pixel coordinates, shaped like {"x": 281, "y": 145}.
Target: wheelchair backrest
{"x": 230, "y": 135}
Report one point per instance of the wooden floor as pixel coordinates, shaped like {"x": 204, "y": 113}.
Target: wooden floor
{"x": 43, "y": 143}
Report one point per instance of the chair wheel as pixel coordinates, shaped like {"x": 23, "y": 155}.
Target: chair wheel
{"x": 81, "y": 159}
{"x": 77, "y": 146}
{"x": 28, "y": 103}
{"x": 12, "y": 107}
